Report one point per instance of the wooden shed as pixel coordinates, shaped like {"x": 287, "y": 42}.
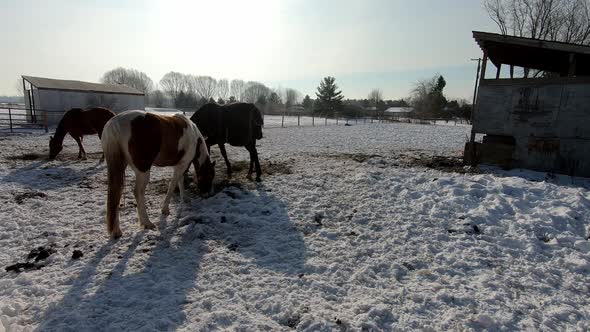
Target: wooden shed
{"x": 46, "y": 99}
{"x": 535, "y": 111}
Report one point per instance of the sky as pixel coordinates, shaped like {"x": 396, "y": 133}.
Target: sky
{"x": 385, "y": 44}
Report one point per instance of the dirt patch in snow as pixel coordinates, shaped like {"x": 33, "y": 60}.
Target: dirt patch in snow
{"x": 409, "y": 159}
{"x": 28, "y": 156}
{"x": 268, "y": 167}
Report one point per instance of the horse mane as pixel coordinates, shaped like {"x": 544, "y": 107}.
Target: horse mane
{"x": 60, "y": 130}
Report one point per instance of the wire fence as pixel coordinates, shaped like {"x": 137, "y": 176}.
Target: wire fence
{"x": 15, "y": 118}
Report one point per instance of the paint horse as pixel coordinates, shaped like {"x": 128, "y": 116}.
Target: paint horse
{"x": 142, "y": 140}
{"x": 239, "y": 124}
{"x": 78, "y": 122}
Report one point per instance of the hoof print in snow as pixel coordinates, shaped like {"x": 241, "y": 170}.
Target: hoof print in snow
{"x": 467, "y": 228}
{"x": 544, "y": 237}
{"x": 301, "y": 275}
{"x": 292, "y": 322}
{"x": 20, "y": 198}
{"x": 318, "y": 218}
{"x": 223, "y": 220}
{"x": 409, "y": 266}
{"x": 233, "y": 247}
{"x": 40, "y": 253}
{"x": 338, "y": 321}
{"x": 77, "y": 254}
{"x": 353, "y": 233}
{"x": 232, "y": 195}
{"x": 19, "y": 266}
{"x": 266, "y": 213}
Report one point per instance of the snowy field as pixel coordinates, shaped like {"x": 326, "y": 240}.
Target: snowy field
{"x": 348, "y": 233}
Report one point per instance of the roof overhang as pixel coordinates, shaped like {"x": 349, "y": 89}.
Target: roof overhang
{"x": 43, "y": 83}
{"x": 533, "y": 53}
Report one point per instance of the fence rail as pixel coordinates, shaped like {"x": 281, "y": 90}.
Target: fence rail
{"x": 18, "y": 119}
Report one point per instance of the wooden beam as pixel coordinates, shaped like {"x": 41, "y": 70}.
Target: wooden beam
{"x": 498, "y": 71}
{"x": 572, "y": 66}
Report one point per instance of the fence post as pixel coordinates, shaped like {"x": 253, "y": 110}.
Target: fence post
{"x": 326, "y": 121}
{"x": 46, "y": 122}
{"x": 298, "y": 119}
{"x": 313, "y": 120}
{"x": 283, "y": 121}
{"x": 10, "y": 118}
{"x": 336, "y": 120}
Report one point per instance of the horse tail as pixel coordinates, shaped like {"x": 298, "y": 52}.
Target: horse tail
{"x": 257, "y": 122}
{"x": 116, "y": 164}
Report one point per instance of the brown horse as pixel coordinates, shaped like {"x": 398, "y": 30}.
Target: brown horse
{"x": 78, "y": 122}
{"x": 142, "y": 140}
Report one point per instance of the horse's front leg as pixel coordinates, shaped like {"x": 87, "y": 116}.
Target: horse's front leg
{"x": 81, "y": 152}
{"x": 254, "y": 160}
{"x": 141, "y": 181}
{"x": 224, "y": 154}
{"x": 176, "y": 181}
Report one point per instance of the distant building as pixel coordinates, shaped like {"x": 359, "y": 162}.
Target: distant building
{"x": 46, "y": 99}
{"x": 398, "y": 112}
{"x": 540, "y": 120}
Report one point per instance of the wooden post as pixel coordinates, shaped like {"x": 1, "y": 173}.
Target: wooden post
{"x": 313, "y": 120}
{"x": 572, "y": 66}
{"x": 10, "y": 118}
{"x": 326, "y": 120}
{"x": 283, "y": 121}
{"x": 478, "y": 78}
{"x": 45, "y": 122}
{"x": 298, "y": 119}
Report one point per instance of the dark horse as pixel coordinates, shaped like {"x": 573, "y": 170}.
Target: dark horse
{"x": 78, "y": 122}
{"x": 239, "y": 124}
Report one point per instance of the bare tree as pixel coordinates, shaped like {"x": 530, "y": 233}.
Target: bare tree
{"x": 292, "y": 97}
{"x": 223, "y": 89}
{"x": 130, "y": 77}
{"x": 173, "y": 83}
{"x": 556, "y": 20}
{"x": 255, "y": 91}
{"x": 206, "y": 86}
{"x": 237, "y": 88}
{"x": 157, "y": 99}
{"x": 375, "y": 96}
{"x": 18, "y": 86}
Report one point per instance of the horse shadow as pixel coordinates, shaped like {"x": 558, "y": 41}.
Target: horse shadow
{"x": 156, "y": 278}
{"x": 44, "y": 175}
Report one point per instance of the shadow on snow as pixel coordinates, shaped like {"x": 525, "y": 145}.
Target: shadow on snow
{"x": 113, "y": 296}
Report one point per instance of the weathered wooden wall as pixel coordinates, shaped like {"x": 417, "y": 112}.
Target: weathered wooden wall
{"x": 549, "y": 120}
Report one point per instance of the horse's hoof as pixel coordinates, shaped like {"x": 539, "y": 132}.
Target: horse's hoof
{"x": 148, "y": 225}
{"x": 258, "y": 179}
{"x": 116, "y": 234}
{"x": 165, "y": 211}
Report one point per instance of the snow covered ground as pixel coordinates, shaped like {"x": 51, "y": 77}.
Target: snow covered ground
{"x": 348, "y": 233}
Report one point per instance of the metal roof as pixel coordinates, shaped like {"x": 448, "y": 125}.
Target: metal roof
{"x": 69, "y": 85}
{"x": 400, "y": 109}
{"x": 544, "y": 55}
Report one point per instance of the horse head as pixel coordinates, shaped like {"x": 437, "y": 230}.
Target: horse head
{"x": 204, "y": 174}
{"x": 55, "y": 147}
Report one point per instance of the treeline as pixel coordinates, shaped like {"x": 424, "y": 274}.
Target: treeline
{"x": 192, "y": 91}
{"x": 186, "y": 91}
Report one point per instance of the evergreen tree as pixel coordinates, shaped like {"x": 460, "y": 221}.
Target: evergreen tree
{"x": 232, "y": 99}
{"x": 329, "y": 99}
{"x": 307, "y": 103}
